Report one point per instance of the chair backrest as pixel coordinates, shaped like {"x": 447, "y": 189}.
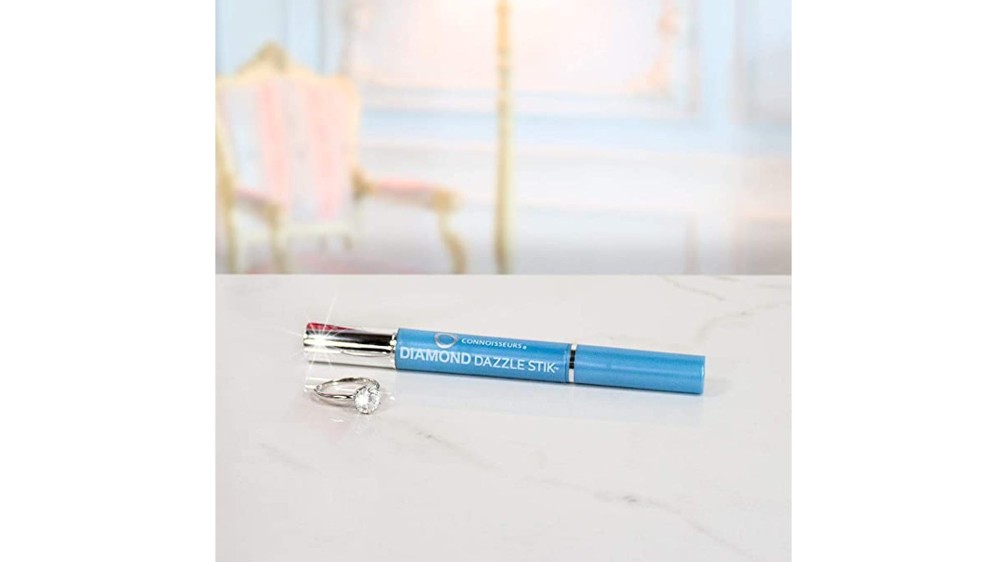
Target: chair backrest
{"x": 289, "y": 135}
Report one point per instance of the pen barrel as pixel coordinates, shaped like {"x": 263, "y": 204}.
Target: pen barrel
{"x": 631, "y": 368}
{"x": 463, "y": 354}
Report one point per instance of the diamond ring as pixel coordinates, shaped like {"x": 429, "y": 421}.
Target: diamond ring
{"x": 366, "y": 394}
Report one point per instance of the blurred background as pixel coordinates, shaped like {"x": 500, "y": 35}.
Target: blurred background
{"x": 511, "y": 136}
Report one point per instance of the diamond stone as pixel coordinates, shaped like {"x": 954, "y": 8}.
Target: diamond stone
{"x": 367, "y": 399}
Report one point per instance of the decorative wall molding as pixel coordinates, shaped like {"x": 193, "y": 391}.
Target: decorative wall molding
{"x": 440, "y": 56}
{"x": 763, "y": 57}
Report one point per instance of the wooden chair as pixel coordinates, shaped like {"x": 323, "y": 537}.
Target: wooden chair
{"x": 301, "y": 130}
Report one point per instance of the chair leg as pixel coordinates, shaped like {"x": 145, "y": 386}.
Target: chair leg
{"x": 279, "y": 250}
{"x": 232, "y": 250}
{"x": 232, "y": 245}
{"x": 232, "y": 260}
{"x": 452, "y": 241}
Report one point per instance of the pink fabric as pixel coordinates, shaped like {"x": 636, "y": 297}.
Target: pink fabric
{"x": 409, "y": 190}
{"x": 404, "y": 186}
{"x": 324, "y": 155}
{"x": 274, "y": 142}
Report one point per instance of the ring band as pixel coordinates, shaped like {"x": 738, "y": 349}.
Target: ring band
{"x": 366, "y": 393}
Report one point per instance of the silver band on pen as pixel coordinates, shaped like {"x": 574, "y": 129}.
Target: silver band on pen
{"x": 572, "y": 363}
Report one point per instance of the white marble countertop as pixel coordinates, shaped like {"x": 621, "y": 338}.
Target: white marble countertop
{"x": 467, "y": 468}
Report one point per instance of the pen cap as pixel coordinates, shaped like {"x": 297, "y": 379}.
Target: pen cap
{"x": 326, "y": 343}
{"x": 648, "y": 370}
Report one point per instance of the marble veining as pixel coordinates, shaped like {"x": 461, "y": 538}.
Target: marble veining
{"x": 705, "y": 329}
{"x": 685, "y": 287}
{"x": 459, "y": 468}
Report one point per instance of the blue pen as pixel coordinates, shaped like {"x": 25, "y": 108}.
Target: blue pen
{"x": 463, "y": 354}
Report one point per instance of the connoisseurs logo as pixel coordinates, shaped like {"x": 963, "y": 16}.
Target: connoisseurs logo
{"x": 444, "y": 341}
